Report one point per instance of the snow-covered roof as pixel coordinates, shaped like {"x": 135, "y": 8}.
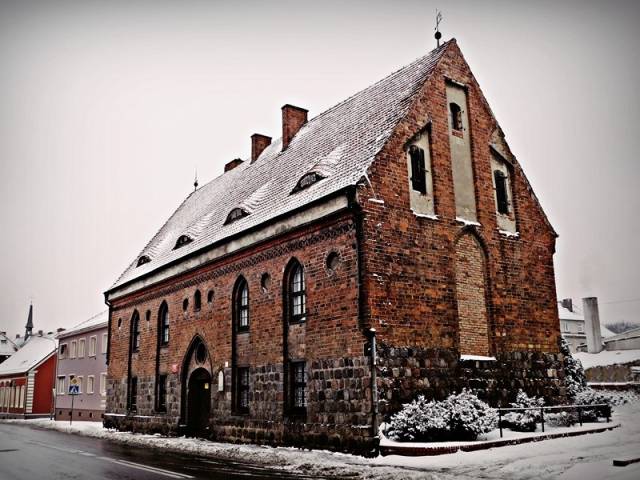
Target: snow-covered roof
{"x": 566, "y": 314}
{"x": 97, "y": 321}
{"x": 7, "y": 347}
{"x": 31, "y": 354}
{"x": 340, "y": 143}
{"x": 633, "y": 333}
{"x": 607, "y": 357}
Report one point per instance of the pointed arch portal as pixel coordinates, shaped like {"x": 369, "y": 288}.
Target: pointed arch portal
{"x": 196, "y": 388}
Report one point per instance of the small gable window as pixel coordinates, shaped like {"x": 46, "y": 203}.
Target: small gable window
{"x": 142, "y": 260}
{"x": 307, "y": 180}
{"x": 182, "y": 241}
{"x": 418, "y": 169}
{"x": 456, "y": 116}
{"x": 235, "y": 214}
{"x": 502, "y": 195}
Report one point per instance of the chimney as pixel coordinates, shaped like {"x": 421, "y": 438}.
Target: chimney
{"x": 232, "y": 164}
{"x": 3, "y": 333}
{"x": 40, "y": 332}
{"x": 17, "y": 336}
{"x": 60, "y": 329}
{"x": 568, "y": 304}
{"x": 592, "y": 324}
{"x": 293, "y": 118}
{"x": 258, "y": 143}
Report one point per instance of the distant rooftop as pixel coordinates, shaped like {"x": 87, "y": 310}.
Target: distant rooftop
{"x": 97, "y": 321}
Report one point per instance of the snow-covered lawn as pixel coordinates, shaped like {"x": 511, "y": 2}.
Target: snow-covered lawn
{"x": 606, "y": 357}
{"x": 583, "y": 457}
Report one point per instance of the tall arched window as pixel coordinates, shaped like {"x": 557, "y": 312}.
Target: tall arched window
{"x": 296, "y": 293}
{"x": 163, "y": 324}
{"x": 197, "y": 300}
{"x": 135, "y": 332}
{"x": 241, "y": 305}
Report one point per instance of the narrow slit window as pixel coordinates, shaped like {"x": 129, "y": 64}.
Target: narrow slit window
{"x": 418, "y": 170}
{"x": 243, "y": 390}
{"x": 456, "y": 116}
{"x": 502, "y": 196}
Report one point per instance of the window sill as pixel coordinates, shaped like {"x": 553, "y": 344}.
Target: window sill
{"x": 430, "y": 216}
{"x": 298, "y": 322}
{"x": 244, "y": 330}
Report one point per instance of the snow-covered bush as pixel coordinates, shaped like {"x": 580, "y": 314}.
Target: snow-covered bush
{"x": 460, "y": 417}
{"x": 525, "y": 420}
{"x": 575, "y": 380}
{"x": 590, "y": 396}
{"x": 561, "y": 419}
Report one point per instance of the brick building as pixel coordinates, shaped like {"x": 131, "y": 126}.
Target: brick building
{"x": 399, "y": 215}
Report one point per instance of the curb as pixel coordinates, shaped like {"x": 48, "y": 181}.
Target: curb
{"x": 433, "y": 451}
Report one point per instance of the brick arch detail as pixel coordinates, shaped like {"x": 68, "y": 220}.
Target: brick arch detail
{"x": 471, "y": 294}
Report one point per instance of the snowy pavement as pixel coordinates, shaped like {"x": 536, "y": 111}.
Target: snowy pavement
{"x": 582, "y": 458}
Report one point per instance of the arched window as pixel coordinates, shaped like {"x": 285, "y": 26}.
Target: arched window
{"x": 163, "y": 324}
{"x": 182, "y": 241}
{"x": 456, "y": 116}
{"x": 135, "y": 332}
{"x": 197, "y": 300}
{"x": 296, "y": 293}
{"x": 241, "y": 305}
{"x": 210, "y": 296}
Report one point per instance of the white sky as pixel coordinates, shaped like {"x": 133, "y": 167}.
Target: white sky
{"x": 107, "y": 108}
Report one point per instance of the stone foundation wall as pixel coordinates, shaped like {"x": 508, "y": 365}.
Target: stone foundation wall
{"x": 404, "y": 373}
{"x": 338, "y": 412}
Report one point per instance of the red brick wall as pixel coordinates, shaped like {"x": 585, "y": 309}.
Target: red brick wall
{"x": 409, "y": 261}
{"x": 471, "y": 297}
{"x": 331, "y": 329}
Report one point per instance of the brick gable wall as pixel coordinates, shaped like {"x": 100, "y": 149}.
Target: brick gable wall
{"x": 409, "y": 264}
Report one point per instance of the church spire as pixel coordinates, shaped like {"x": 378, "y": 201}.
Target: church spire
{"x": 29, "y": 325}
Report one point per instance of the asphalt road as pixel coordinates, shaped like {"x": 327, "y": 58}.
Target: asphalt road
{"x": 35, "y": 454}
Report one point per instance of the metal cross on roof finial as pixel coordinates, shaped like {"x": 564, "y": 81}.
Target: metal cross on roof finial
{"x": 438, "y": 35}
{"x": 195, "y": 181}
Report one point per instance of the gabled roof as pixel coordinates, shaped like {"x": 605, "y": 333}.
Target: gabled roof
{"x": 340, "y": 144}
{"x": 7, "y": 347}
{"x": 96, "y": 322}
{"x": 31, "y": 354}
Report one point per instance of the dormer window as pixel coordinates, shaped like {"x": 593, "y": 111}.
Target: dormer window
{"x": 142, "y": 260}
{"x": 235, "y": 214}
{"x": 307, "y": 180}
{"x": 182, "y": 241}
{"x": 456, "y": 116}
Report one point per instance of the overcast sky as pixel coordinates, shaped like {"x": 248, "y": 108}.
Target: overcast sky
{"x": 107, "y": 109}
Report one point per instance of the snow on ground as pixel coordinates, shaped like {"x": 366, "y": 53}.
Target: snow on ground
{"x": 575, "y": 458}
{"x": 606, "y": 357}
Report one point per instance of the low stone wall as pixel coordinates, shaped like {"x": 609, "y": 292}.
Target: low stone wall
{"x": 611, "y": 373}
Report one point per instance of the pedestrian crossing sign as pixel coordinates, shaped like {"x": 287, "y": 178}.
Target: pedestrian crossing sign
{"x": 74, "y": 385}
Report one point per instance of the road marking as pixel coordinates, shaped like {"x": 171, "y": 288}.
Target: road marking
{"x": 140, "y": 466}
{"x": 125, "y": 463}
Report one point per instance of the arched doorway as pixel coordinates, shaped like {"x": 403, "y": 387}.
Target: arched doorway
{"x": 198, "y": 401}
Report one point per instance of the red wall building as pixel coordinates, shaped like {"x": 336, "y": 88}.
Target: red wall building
{"x": 27, "y": 379}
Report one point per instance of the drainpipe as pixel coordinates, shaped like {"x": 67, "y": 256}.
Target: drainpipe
{"x": 369, "y": 333}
